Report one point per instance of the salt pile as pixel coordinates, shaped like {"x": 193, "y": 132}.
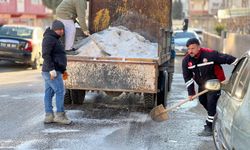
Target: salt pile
{"x": 118, "y": 42}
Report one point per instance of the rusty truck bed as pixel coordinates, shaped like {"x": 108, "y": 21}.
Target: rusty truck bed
{"x": 112, "y": 74}
{"x": 149, "y": 18}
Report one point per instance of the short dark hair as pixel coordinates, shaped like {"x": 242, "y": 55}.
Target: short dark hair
{"x": 193, "y": 41}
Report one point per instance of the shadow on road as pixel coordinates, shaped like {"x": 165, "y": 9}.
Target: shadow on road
{"x": 8, "y": 66}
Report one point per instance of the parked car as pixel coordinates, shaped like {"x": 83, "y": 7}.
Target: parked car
{"x": 198, "y": 31}
{"x": 231, "y": 126}
{"x": 20, "y": 43}
{"x": 180, "y": 39}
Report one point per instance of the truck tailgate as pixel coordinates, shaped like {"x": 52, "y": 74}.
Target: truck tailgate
{"x": 112, "y": 74}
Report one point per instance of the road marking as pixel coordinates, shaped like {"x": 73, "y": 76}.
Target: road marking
{"x": 2, "y": 96}
{"x": 51, "y": 130}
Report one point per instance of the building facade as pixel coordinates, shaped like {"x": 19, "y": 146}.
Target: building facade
{"x": 202, "y": 13}
{"x": 233, "y": 14}
{"x": 29, "y": 12}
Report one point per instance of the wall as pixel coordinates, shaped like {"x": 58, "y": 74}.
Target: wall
{"x": 234, "y": 44}
{"x": 237, "y": 44}
{"x": 212, "y": 41}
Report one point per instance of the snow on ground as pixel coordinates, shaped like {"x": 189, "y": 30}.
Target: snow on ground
{"x": 52, "y": 130}
{"x": 118, "y": 42}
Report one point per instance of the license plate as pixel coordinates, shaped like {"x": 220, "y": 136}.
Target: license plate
{"x": 11, "y": 45}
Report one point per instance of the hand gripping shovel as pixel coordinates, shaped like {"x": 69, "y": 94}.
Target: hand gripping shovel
{"x": 159, "y": 113}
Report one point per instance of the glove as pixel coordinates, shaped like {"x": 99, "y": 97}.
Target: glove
{"x": 86, "y": 33}
{"x": 65, "y": 75}
{"x": 52, "y": 74}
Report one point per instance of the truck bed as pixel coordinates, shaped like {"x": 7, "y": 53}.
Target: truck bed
{"x": 112, "y": 74}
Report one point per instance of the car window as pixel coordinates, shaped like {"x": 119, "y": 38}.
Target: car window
{"x": 184, "y": 35}
{"x": 235, "y": 72}
{"x": 20, "y": 32}
{"x": 237, "y": 79}
{"x": 242, "y": 84}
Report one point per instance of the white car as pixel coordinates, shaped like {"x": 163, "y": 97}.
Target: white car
{"x": 180, "y": 39}
{"x": 231, "y": 126}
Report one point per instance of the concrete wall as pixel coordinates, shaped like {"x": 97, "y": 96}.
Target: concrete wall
{"x": 234, "y": 44}
{"x": 212, "y": 41}
{"x": 237, "y": 44}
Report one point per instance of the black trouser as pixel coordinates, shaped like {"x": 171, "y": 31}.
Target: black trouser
{"x": 209, "y": 102}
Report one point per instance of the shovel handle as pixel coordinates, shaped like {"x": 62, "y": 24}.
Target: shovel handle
{"x": 98, "y": 45}
{"x": 186, "y": 100}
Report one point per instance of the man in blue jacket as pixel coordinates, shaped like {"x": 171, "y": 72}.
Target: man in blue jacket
{"x": 54, "y": 67}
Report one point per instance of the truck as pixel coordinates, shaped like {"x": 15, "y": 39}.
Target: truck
{"x": 114, "y": 75}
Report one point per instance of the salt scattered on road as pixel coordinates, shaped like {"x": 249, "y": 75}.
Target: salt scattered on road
{"x": 61, "y": 130}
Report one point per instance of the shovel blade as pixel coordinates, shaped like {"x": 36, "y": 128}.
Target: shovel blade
{"x": 159, "y": 113}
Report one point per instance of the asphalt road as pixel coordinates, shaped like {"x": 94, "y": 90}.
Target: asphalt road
{"x": 95, "y": 126}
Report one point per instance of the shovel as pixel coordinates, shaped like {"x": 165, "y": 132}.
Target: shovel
{"x": 159, "y": 113}
{"x": 101, "y": 48}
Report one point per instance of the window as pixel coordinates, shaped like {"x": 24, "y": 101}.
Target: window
{"x": 4, "y": 1}
{"x": 242, "y": 85}
{"x": 235, "y": 73}
{"x": 20, "y": 32}
{"x": 184, "y": 35}
{"x": 36, "y": 2}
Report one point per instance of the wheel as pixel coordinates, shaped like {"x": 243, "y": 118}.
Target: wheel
{"x": 149, "y": 100}
{"x": 171, "y": 72}
{"x": 77, "y": 96}
{"x": 67, "y": 97}
{"x": 170, "y": 79}
{"x": 163, "y": 88}
{"x": 36, "y": 64}
{"x": 216, "y": 134}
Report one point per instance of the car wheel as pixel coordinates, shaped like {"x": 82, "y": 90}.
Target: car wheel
{"x": 216, "y": 134}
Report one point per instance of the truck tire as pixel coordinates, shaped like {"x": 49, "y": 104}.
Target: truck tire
{"x": 77, "y": 96}
{"x": 149, "y": 100}
{"x": 67, "y": 97}
{"x": 163, "y": 88}
{"x": 170, "y": 80}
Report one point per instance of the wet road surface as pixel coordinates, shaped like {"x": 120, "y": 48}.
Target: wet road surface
{"x": 96, "y": 125}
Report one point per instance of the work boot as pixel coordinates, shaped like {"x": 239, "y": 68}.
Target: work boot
{"x": 72, "y": 51}
{"x": 207, "y": 131}
{"x": 62, "y": 118}
{"x": 49, "y": 118}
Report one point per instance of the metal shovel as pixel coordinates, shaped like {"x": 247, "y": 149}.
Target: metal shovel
{"x": 159, "y": 113}
{"x": 98, "y": 45}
